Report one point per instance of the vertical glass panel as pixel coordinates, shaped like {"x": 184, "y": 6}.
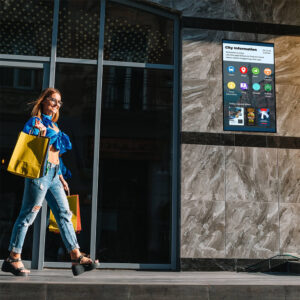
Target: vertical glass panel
{"x": 78, "y": 29}
{"x": 137, "y": 36}
{"x": 26, "y": 27}
{"x": 134, "y": 204}
{"x": 77, "y": 84}
{"x": 14, "y": 112}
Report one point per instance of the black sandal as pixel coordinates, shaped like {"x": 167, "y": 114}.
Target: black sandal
{"x": 7, "y": 266}
{"x": 81, "y": 268}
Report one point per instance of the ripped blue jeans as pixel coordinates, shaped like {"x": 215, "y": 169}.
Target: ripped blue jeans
{"x": 35, "y": 191}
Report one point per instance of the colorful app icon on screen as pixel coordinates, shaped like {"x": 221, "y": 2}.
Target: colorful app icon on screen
{"x": 267, "y": 71}
{"x": 268, "y": 87}
{"x": 243, "y": 70}
{"x": 231, "y": 85}
{"x": 244, "y": 86}
{"x": 256, "y": 86}
{"x": 231, "y": 69}
{"x": 263, "y": 116}
{"x": 255, "y": 70}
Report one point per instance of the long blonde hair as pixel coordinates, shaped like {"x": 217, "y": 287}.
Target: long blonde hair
{"x": 37, "y": 109}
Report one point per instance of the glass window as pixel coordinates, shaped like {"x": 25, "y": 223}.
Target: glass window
{"x": 137, "y": 36}
{"x": 26, "y": 27}
{"x": 134, "y": 204}
{"x": 14, "y": 112}
{"x": 77, "y": 84}
{"x": 78, "y": 29}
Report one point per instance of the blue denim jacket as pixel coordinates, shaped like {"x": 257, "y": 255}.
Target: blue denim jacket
{"x": 59, "y": 140}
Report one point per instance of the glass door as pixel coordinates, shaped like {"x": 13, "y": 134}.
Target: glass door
{"x": 135, "y": 182}
{"x": 20, "y": 83}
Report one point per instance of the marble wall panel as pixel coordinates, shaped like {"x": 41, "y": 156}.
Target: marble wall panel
{"x": 202, "y": 173}
{"x": 203, "y": 229}
{"x": 164, "y": 3}
{"x": 287, "y": 59}
{"x": 249, "y": 10}
{"x": 251, "y": 174}
{"x": 286, "y": 12}
{"x": 289, "y": 175}
{"x": 202, "y": 106}
{"x": 290, "y": 227}
{"x": 201, "y": 81}
{"x": 201, "y": 53}
{"x": 203, "y": 8}
{"x": 288, "y": 110}
{"x": 263, "y": 11}
{"x": 252, "y": 229}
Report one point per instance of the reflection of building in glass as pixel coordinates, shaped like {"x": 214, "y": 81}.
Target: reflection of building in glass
{"x": 134, "y": 182}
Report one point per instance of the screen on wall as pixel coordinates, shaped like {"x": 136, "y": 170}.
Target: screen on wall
{"x": 249, "y": 86}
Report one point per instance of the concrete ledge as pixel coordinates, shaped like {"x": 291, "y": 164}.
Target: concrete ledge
{"x": 38, "y": 291}
{"x": 114, "y": 285}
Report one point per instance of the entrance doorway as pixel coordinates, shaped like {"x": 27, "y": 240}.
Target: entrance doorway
{"x": 135, "y": 187}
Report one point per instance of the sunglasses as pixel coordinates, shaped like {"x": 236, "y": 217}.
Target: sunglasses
{"x": 55, "y": 101}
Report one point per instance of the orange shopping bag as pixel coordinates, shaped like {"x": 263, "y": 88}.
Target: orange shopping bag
{"x": 76, "y": 219}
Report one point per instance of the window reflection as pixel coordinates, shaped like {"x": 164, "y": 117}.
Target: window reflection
{"x": 137, "y": 36}
{"x": 78, "y": 29}
{"x": 134, "y": 219}
{"x": 17, "y": 88}
{"x": 77, "y": 84}
{"x": 26, "y": 27}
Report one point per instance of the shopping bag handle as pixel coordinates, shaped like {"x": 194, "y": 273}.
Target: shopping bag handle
{"x": 32, "y": 129}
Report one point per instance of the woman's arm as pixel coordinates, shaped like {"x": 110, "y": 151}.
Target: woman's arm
{"x": 41, "y": 127}
{"x": 64, "y": 173}
{"x": 64, "y": 183}
{"x": 34, "y": 126}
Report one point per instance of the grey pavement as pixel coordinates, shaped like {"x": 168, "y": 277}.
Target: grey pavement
{"x": 53, "y": 284}
{"x": 58, "y": 276}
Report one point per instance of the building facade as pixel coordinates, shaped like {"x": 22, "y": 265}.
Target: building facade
{"x": 161, "y": 184}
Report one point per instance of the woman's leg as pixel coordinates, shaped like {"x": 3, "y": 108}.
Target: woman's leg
{"x": 58, "y": 202}
{"x": 34, "y": 194}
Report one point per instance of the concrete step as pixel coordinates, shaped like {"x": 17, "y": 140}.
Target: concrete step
{"x": 143, "y": 285}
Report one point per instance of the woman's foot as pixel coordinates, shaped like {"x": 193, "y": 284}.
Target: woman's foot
{"x": 82, "y": 264}
{"x": 84, "y": 260}
{"x": 14, "y": 266}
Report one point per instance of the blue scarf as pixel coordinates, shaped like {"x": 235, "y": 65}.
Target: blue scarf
{"x": 47, "y": 120}
{"x": 59, "y": 140}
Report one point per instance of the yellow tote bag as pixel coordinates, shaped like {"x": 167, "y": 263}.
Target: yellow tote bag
{"x": 76, "y": 219}
{"x": 29, "y": 156}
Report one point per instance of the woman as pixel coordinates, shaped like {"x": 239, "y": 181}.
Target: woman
{"x": 50, "y": 186}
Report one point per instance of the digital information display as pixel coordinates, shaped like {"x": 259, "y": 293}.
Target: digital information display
{"x": 249, "y": 86}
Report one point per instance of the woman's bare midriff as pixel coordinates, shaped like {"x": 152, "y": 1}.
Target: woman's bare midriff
{"x": 53, "y": 155}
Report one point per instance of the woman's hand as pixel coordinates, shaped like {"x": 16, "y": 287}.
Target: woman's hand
{"x": 41, "y": 127}
{"x": 64, "y": 183}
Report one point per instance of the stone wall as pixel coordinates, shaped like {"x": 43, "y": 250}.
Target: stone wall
{"x": 237, "y": 202}
{"x": 263, "y": 11}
